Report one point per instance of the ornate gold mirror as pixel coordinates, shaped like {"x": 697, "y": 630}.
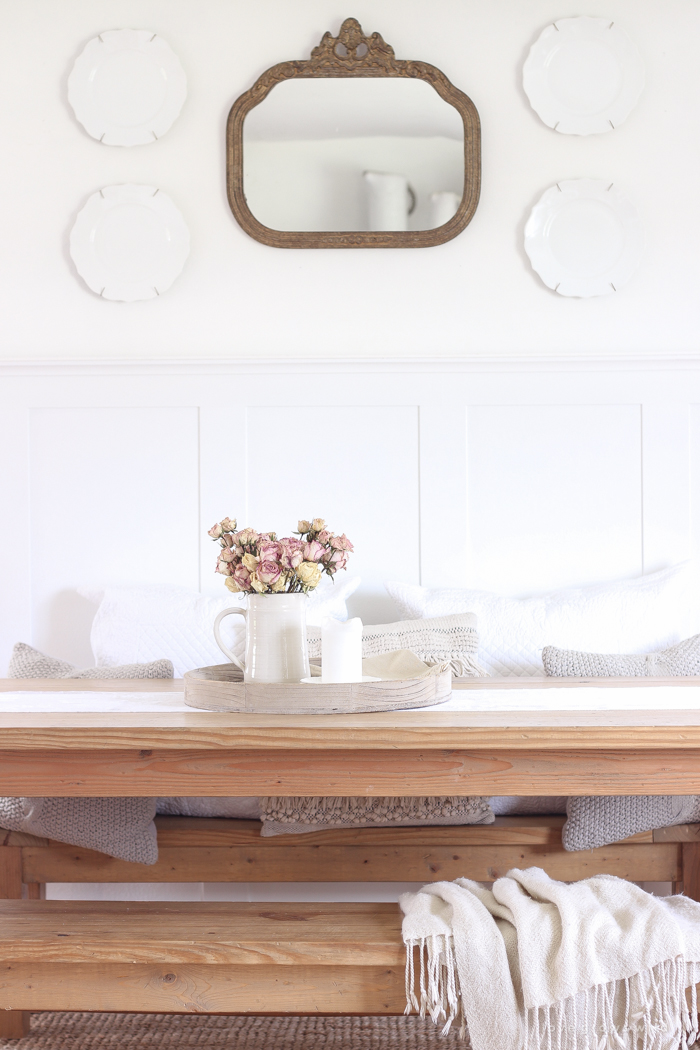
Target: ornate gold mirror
{"x": 353, "y": 149}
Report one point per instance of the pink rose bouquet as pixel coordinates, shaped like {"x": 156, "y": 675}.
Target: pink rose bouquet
{"x": 259, "y": 563}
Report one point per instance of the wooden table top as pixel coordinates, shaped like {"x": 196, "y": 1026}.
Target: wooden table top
{"x": 426, "y": 729}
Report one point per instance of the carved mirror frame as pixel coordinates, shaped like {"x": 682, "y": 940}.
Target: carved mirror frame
{"x": 352, "y": 54}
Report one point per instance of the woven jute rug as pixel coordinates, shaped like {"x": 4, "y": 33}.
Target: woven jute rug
{"x": 84, "y": 1031}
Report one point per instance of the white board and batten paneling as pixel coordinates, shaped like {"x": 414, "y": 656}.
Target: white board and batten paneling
{"x": 516, "y": 476}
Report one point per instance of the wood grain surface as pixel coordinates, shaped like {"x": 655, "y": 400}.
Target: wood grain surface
{"x": 436, "y": 772}
{"x": 217, "y": 688}
{"x": 297, "y": 862}
{"x": 406, "y": 730}
{"x": 169, "y": 988}
{"x": 316, "y": 934}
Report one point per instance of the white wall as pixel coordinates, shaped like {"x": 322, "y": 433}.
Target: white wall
{"x": 512, "y": 477}
{"x": 475, "y": 295}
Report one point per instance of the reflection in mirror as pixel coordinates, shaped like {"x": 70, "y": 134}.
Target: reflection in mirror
{"x": 353, "y": 154}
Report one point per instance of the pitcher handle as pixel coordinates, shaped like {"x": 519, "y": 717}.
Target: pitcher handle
{"x": 224, "y": 648}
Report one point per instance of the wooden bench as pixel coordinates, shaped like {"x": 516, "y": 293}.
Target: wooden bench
{"x": 337, "y": 959}
{"x": 201, "y": 957}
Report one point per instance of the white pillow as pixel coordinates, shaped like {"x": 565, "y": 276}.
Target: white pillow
{"x": 139, "y": 624}
{"x": 631, "y": 616}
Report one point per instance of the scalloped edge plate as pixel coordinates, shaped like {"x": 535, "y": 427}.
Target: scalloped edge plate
{"x": 135, "y": 49}
{"x": 145, "y": 211}
{"x": 583, "y": 42}
{"x": 593, "y": 275}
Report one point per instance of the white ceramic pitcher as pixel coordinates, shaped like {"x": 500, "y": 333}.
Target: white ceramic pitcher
{"x": 275, "y": 645}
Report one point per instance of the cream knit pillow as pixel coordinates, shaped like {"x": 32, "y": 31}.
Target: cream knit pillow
{"x": 27, "y": 662}
{"x": 120, "y": 827}
{"x": 678, "y": 660}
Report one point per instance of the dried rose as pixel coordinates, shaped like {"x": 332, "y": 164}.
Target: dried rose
{"x": 280, "y": 585}
{"x": 334, "y": 560}
{"x": 341, "y": 543}
{"x": 268, "y": 572}
{"x": 291, "y": 553}
{"x": 215, "y": 532}
{"x": 250, "y": 562}
{"x": 232, "y": 585}
{"x": 256, "y": 584}
{"x": 228, "y": 525}
{"x": 246, "y": 537}
{"x": 318, "y": 525}
{"x": 223, "y": 567}
{"x": 309, "y": 572}
{"x": 313, "y": 551}
{"x": 227, "y": 555}
{"x": 242, "y": 577}
{"x": 303, "y": 526}
{"x": 269, "y": 551}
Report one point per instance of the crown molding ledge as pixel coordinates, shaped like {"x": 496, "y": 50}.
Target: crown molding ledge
{"x": 351, "y": 366}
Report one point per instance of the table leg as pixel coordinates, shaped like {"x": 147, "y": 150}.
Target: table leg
{"x": 691, "y": 870}
{"x": 14, "y": 1024}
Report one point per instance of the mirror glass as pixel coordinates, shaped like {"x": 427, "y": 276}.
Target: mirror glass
{"x": 353, "y": 154}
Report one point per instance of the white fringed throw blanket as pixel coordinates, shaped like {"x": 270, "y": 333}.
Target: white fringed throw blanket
{"x": 540, "y": 965}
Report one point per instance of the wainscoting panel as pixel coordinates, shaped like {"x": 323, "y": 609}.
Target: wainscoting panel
{"x": 358, "y": 467}
{"x": 555, "y": 495}
{"x": 114, "y": 499}
{"x": 694, "y": 428}
{"x": 513, "y": 475}
{"x": 15, "y": 589}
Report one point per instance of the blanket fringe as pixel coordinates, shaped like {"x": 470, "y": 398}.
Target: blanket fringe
{"x": 656, "y": 1009}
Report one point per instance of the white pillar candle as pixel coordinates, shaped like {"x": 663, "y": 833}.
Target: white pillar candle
{"x": 341, "y": 650}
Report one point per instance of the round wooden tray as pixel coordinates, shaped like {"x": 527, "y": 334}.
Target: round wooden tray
{"x": 221, "y": 688}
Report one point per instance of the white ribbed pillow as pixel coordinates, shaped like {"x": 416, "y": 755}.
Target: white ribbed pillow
{"x": 630, "y": 616}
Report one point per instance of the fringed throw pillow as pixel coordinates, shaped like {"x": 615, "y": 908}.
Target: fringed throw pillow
{"x": 678, "y": 660}
{"x": 439, "y": 639}
{"x": 298, "y": 815}
{"x": 27, "y": 662}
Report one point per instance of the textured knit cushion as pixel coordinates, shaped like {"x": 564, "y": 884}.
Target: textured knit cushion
{"x": 633, "y": 616}
{"x": 681, "y": 659}
{"x": 288, "y": 815}
{"x": 144, "y": 623}
{"x": 600, "y": 820}
{"x": 442, "y": 639}
{"x": 30, "y": 663}
{"x": 120, "y": 827}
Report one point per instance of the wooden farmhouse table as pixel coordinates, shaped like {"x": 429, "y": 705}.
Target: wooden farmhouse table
{"x": 598, "y": 737}
{"x": 433, "y": 751}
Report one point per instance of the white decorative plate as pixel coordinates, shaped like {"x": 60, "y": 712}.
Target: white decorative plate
{"x": 584, "y": 237}
{"x": 129, "y": 242}
{"x": 583, "y": 76}
{"x": 127, "y": 87}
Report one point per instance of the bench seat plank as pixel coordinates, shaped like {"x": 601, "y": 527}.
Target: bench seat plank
{"x": 166, "y": 988}
{"x": 202, "y": 932}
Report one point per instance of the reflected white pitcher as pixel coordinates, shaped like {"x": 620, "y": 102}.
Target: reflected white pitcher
{"x": 275, "y": 645}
